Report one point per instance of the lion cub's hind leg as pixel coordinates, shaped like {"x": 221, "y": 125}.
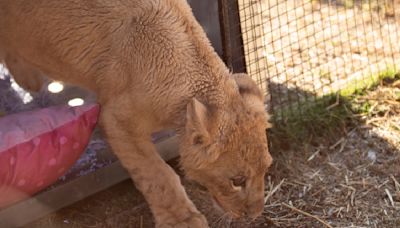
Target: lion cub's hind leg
{"x": 25, "y": 75}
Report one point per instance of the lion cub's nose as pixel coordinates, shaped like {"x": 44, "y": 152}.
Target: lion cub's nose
{"x": 255, "y": 209}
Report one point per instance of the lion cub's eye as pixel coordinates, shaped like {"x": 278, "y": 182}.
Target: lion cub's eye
{"x": 238, "y": 181}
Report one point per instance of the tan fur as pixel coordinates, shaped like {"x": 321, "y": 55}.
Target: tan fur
{"x": 153, "y": 68}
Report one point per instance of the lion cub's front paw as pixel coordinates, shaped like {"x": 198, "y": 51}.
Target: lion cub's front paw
{"x": 195, "y": 220}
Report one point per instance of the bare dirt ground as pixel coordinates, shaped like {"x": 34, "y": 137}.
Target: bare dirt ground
{"x": 348, "y": 181}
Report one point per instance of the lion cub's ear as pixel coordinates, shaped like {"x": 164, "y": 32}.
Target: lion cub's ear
{"x": 197, "y": 120}
{"x": 247, "y": 86}
{"x": 251, "y": 94}
{"x": 249, "y": 90}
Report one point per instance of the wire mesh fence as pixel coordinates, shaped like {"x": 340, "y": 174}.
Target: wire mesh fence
{"x": 300, "y": 50}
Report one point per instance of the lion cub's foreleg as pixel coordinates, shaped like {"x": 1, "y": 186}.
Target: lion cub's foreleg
{"x": 157, "y": 181}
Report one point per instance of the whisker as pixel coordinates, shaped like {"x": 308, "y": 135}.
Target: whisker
{"x": 220, "y": 222}
{"x": 223, "y": 222}
{"x": 230, "y": 221}
{"x": 217, "y": 221}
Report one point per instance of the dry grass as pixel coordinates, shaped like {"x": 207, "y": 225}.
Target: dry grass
{"x": 351, "y": 180}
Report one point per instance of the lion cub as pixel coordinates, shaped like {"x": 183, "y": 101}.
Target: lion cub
{"x": 153, "y": 68}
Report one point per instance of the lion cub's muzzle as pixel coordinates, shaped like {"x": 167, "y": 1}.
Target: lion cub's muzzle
{"x": 248, "y": 211}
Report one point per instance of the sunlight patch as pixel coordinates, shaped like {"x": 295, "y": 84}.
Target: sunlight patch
{"x": 55, "y": 87}
{"x": 76, "y": 102}
{"x": 3, "y": 72}
{"x": 25, "y": 96}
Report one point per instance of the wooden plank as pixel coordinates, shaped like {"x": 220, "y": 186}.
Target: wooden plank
{"x": 71, "y": 192}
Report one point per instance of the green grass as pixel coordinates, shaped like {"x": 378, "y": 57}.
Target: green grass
{"x": 368, "y": 82}
{"x": 313, "y": 120}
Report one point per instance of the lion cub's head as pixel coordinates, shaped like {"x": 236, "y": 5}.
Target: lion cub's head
{"x": 225, "y": 148}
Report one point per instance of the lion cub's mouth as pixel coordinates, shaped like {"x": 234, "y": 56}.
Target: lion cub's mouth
{"x": 218, "y": 205}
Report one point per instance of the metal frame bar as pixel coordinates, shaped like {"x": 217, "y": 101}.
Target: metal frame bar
{"x": 231, "y": 33}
